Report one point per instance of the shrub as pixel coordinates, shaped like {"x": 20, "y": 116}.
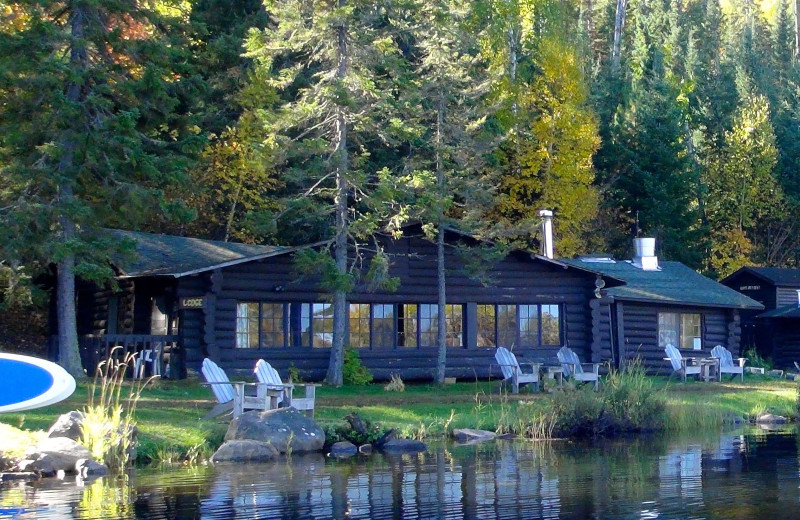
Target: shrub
{"x": 754, "y": 359}
{"x": 353, "y": 371}
{"x": 395, "y": 385}
{"x": 626, "y": 402}
{"x": 108, "y": 428}
{"x": 356, "y": 430}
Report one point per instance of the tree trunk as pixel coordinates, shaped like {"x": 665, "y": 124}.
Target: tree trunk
{"x": 619, "y": 25}
{"x": 441, "y": 318}
{"x": 335, "y": 365}
{"x": 68, "y": 350}
{"x": 796, "y": 27}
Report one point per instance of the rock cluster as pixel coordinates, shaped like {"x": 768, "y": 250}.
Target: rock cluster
{"x": 58, "y": 454}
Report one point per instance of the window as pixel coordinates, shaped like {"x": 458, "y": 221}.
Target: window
{"x": 526, "y": 325}
{"x": 247, "y": 325}
{"x": 407, "y": 325}
{"x": 429, "y": 325}
{"x": 359, "y": 325}
{"x": 683, "y": 330}
{"x": 383, "y": 326}
{"x": 265, "y": 325}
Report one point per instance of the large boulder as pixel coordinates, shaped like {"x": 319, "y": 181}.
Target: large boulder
{"x": 285, "y": 428}
{"x": 54, "y": 454}
{"x": 471, "y": 436}
{"x": 400, "y": 446}
{"x": 244, "y": 451}
{"x": 69, "y": 425}
{"x": 768, "y": 418}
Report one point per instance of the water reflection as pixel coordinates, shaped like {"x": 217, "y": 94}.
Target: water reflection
{"x": 733, "y": 475}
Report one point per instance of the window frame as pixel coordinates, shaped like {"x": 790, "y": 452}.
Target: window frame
{"x": 518, "y": 321}
{"x": 292, "y": 323}
{"x": 680, "y": 332}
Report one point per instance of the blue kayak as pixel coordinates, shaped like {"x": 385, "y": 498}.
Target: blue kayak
{"x": 27, "y": 382}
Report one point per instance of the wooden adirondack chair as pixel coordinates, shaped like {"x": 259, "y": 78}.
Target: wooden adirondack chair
{"x": 572, "y": 367}
{"x": 511, "y": 370}
{"x": 726, "y": 364}
{"x": 271, "y": 380}
{"x": 681, "y": 365}
{"x": 231, "y": 394}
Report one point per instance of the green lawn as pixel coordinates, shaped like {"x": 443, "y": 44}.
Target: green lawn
{"x": 169, "y": 413}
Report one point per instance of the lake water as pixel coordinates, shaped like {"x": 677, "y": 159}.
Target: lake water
{"x": 741, "y": 474}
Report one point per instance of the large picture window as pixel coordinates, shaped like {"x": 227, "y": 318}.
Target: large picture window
{"x": 528, "y": 325}
{"x": 683, "y": 330}
{"x": 269, "y": 325}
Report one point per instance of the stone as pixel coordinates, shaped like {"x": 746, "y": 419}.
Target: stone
{"x": 43, "y": 465}
{"x": 400, "y": 446}
{"x": 69, "y": 425}
{"x": 768, "y": 418}
{"x": 343, "y": 449}
{"x": 89, "y": 467}
{"x": 365, "y": 449}
{"x": 285, "y": 428}
{"x": 61, "y": 452}
{"x": 244, "y": 451}
{"x": 471, "y": 436}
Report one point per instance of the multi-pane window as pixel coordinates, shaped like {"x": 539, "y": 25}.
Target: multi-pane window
{"x": 524, "y": 325}
{"x": 429, "y": 325}
{"x": 359, "y": 325}
{"x": 272, "y": 325}
{"x": 263, "y": 325}
{"x": 407, "y": 325}
{"x": 247, "y": 325}
{"x": 383, "y": 320}
{"x": 683, "y": 330}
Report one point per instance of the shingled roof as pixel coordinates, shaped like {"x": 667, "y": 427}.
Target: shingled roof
{"x": 778, "y": 276}
{"x": 786, "y": 311}
{"x": 168, "y": 255}
{"x": 674, "y": 283}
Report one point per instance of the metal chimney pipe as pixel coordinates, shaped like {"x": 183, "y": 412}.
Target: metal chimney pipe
{"x": 547, "y": 232}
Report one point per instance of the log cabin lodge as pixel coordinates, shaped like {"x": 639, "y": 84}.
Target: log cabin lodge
{"x": 235, "y": 303}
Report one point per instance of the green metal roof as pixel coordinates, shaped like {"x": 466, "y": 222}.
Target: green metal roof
{"x": 778, "y": 276}
{"x": 785, "y": 311}
{"x": 168, "y": 255}
{"x": 674, "y": 283}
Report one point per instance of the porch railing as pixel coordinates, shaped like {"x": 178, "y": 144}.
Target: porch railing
{"x": 163, "y": 352}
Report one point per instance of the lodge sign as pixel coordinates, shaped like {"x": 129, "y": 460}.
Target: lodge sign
{"x": 750, "y": 288}
{"x": 194, "y": 302}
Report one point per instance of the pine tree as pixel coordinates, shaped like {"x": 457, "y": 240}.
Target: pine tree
{"x": 324, "y": 60}
{"x": 91, "y": 134}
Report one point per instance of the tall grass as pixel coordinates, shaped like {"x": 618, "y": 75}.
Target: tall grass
{"x": 109, "y": 427}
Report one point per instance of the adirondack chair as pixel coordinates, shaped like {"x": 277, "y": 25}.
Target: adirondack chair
{"x": 726, "y": 364}
{"x": 683, "y": 366}
{"x": 271, "y": 380}
{"x": 231, "y": 394}
{"x": 512, "y": 371}
{"x": 572, "y": 367}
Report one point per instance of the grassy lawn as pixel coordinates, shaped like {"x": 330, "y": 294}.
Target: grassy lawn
{"x": 169, "y": 413}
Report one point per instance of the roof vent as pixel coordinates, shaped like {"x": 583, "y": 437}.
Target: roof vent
{"x": 597, "y": 260}
{"x": 644, "y": 255}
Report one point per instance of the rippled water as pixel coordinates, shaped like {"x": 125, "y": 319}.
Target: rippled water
{"x": 749, "y": 474}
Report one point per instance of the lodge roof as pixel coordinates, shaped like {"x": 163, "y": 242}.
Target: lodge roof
{"x": 169, "y": 255}
{"x": 785, "y": 311}
{"x": 674, "y": 283}
{"x": 779, "y": 276}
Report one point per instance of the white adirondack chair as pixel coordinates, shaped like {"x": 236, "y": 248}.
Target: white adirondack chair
{"x": 683, "y": 366}
{"x": 511, "y": 370}
{"x": 231, "y": 394}
{"x": 271, "y": 380}
{"x": 572, "y": 367}
{"x": 726, "y": 364}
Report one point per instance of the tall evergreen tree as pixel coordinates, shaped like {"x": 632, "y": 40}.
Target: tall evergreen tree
{"x": 324, "y": 60}
{"x": 91, "y": 134}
